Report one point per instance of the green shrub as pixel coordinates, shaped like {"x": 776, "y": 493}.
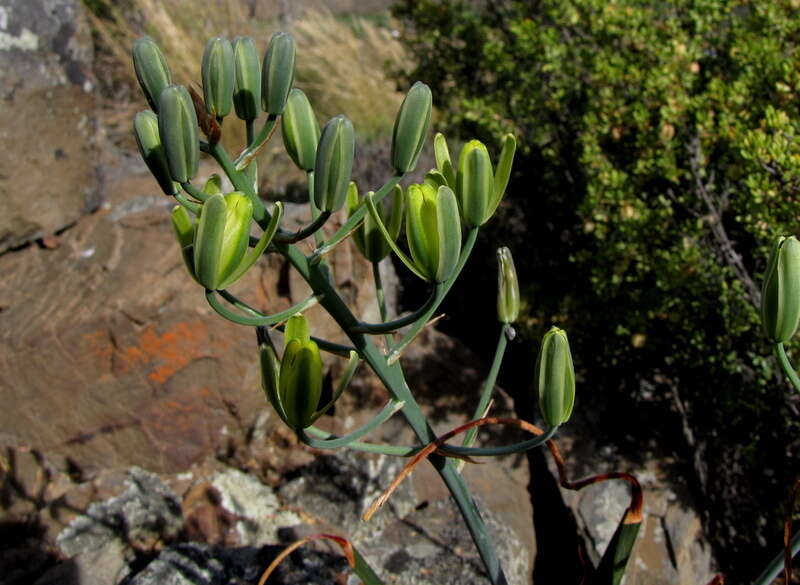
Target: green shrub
{"x": 661, "y": 157}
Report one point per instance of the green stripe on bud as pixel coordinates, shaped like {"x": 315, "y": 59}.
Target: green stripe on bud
{"x": 411, "y": 127}
{"x": 507, "y": 287}
{"x": 145, "y": 128}
{"x": 247, "y": 79}
{"x": 555, "y": 378}
{"x": 368, "y": 237}
{"x": 475, "y": 182}
{"x": 277, "y": 75}
{"x": 433, "y": 231}
{"x": 300, "y": 383}
{"x": 151, "y": 70}
{"x": 300, "y": 130}
{"x": 218, "y": 76}
{"x": 333, "y": 164}
{"x": 780, "y": 295}
{"x": 177, "y": 125}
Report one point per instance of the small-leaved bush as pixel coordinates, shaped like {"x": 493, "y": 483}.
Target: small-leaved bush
{"x": 660, "y": 157}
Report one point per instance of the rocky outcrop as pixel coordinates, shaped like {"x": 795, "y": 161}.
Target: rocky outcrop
{"x": 671, "y": 548}
{"x": 48, "y": 173}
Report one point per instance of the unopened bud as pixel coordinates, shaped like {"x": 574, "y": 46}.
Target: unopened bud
{"x": 218, "y": 77}
{"x": 555, "y": 378}
{"x": 333, "y": 164}
{"x": 247, "y": 86}
{"x": 300, "y": 130}
{"x": 151, "y": 70}
{"x": 475, "y": 182}
{"x": 177, "y": 125}
{"x": 411, "y": 127}
{"x": 433, "y": 231}
{"x": 507, "y": 287}
{"x": 780, "y": 295}
{"x": 277, "y": 74}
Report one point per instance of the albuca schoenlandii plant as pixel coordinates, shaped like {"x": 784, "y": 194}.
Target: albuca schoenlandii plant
{"x": 439, "y": 219}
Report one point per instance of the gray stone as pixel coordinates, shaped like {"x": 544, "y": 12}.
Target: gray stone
{"x": 107, "y": 565}
{"x": 147, "y": 512}
{"x": 671, "y": 548}
{"x": 48, "y": 178}
{"x": 257, "y": 509}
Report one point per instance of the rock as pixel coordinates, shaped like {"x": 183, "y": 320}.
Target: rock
{"x": 48, "y": 175}
{"x": 671, "y": 548}
{"x": 117, "y": 360}
{"x": 146, "y": 513}
{"x": 103, "y": 566}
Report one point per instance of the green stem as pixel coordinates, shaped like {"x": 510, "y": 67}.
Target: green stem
{"x": 381, "y": 296}
{"x": 252, "y": 320}
{"x": 788, "y": 369}
{"x": 319, "y": 236}
{"x": 391, "y": 450}
{"x": 442, "y": 291}
{"x": 189, "y": 205}
{"x": 393, "y": 380}
{"x": 520, "y": 447}
{"x": 776, "y": 565}
{"x": 198, "y": 194}
{"x": 446, "y": 450}
{"x": 389, "y": 326}
{"x": 241, "y": 183}
{"x": 488, "y": 386}
{"x": 303, "y": 233}
{"x": 353, "y": 221}
{"x": 385, "y": 414}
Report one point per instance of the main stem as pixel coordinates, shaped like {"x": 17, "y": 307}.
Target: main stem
{"x": 392, "y": 378}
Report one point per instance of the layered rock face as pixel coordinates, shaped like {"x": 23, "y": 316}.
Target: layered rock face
{"x": 48, "y": 171}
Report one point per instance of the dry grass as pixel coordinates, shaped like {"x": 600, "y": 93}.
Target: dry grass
{"x": 342, "y": 63}
{"x": 342, "y": 66}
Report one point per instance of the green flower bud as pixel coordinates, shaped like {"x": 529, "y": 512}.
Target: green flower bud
{"x": 215, "y": 247}
{"x": 145, "y": 128}
{"x": 507, "y": 287}
{"x": 368, "y": 237}
{"x": 277, "y": 75}
{"x": 411, "y": 127}
{"x": 475, "y": 182}
{"x": 300, "y": 382}
{"x": 300, "y": 130}
{"x": 334, "y": 164}
{"x": 151, "y": 70}
{"x": 293, "y": 385}
{"x": 433, "y": 231}
{"x": 780, "y": 295}
{"x": 555, "y": 378}
{"x": 177, "y": 125}
{"x": 218, "y": 76}
{"x": 247, "y": 86}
